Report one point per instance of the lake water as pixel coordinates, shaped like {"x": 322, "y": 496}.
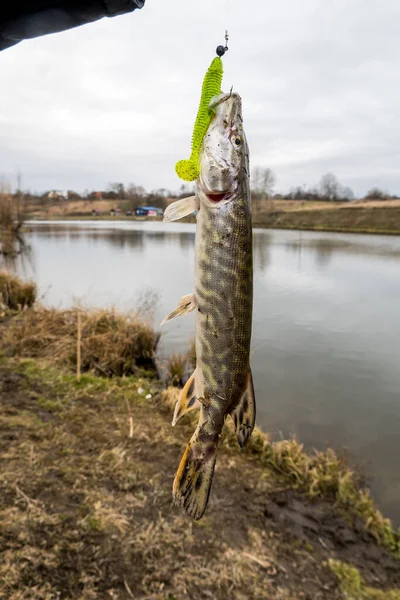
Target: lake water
{"x": 326, "y": 330}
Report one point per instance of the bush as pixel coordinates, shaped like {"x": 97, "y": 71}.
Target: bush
{"x": 15, "y": 293}
{"x": 376, "y": 194}
{"x": 112, "y": 344}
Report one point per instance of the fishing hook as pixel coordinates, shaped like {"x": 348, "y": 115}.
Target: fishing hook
{"x": 222, "y": 49}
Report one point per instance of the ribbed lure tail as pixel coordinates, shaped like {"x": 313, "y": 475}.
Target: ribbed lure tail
{"x": 193, "y": 479}
{"x": 188, "y": 170}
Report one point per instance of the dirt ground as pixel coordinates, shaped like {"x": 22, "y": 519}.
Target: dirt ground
{"x": 86, "y": 512}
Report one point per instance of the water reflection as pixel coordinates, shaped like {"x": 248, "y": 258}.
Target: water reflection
{"x": 121, "y": 238}
{"x": 19, "y": 259}
{"x": 324, "y": 247}
{"x": 261, "y": 243}
{"x": 326, "y": 323}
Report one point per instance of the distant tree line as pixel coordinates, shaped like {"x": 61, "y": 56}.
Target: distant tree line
{"x": 132, "y": 195}
{"x": 128, "y": 196}
{"x": 263, "y": 181}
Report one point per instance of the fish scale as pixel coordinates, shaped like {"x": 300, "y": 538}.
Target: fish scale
{"x": 223, "y": 322}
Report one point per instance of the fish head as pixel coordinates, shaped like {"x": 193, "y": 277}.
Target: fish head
{"x": 224, "y": 152}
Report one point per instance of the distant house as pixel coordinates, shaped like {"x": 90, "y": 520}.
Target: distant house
{"x": 96, "y": 195}
{"x": 57, "y": 195}
{"x": 148, "y": 211}
{"x": 115, "y": 211}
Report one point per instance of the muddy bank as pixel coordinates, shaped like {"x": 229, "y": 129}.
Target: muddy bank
{"x": 86, "y": 512}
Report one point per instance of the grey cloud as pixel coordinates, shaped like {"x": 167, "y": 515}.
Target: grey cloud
{"x": 116, "y": 100}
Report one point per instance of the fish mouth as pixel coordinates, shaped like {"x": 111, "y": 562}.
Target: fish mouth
{"x": 218, "y": 196}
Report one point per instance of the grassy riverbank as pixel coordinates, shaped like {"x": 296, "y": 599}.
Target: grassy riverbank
{"x": 381, "y": 217}
{"x": 373, "y": 217}
{"x": 85, "y": 490}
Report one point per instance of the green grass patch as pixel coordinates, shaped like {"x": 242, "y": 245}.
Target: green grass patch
{"x": 353, "y": 587}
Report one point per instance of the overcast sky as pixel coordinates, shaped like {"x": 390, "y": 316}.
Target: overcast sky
{"x": 116, "y": 100}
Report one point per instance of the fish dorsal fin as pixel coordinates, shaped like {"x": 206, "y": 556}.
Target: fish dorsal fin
{"x": 244, "y": 415}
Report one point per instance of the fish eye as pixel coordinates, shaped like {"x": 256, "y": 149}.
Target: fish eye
{"x": 236, "y": 141}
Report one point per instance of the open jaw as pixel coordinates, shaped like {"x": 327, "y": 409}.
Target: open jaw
{"x": 217, "y": 196}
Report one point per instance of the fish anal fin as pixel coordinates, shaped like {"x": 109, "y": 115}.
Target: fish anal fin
{"x": 185, "y": 305}
{"x": 181, "y": 208}
{"x": 187, "y": 399}
{"x": 244, "y": 415}
{"x": 192, "y": 483}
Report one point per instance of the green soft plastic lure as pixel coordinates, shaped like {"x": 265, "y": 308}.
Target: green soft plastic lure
{"x": 189, "y": 170}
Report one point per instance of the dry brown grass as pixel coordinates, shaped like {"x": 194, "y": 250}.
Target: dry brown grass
{"x": 15, "y": 293}
{"x": 169, "y": 396}
{"x": 112, "y": 344}
{"x": 349, "y": 217}
{"x": 12, "y": 216}
{"x": 7, "y": 211}
{"x": 86, "y": 512}
{"x": 294, "y": 205}
{"x": 176, "y": 366}
{"x": 11, "y": 209}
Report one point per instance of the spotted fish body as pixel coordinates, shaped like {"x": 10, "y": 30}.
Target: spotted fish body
{"x": 223, "y": 292}
{"x": 221, "y": 384}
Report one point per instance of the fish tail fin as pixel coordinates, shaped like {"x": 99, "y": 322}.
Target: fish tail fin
{"x": 193, "y": 479}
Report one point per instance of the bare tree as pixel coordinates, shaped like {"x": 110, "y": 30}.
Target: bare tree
{"x": 263, "y": 181}
{"x": 117, "y": 188}
{"x": 346, "y": 193}
{"x": 136, "y": 194}
{"x": 329, "y": 186}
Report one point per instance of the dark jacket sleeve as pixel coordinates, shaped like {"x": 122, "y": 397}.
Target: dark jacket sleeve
{"x": 24, "y": 19}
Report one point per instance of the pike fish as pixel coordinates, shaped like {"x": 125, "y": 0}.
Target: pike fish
{"x": 222, "y": 383}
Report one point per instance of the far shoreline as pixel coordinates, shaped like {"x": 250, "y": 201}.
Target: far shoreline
{"x": 256, "y": 224}
{"x": 379, "y": 217}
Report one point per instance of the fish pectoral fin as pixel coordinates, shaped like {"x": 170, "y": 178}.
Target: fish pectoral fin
{"x": 187, "y": 399}
{"x": 244, "y": 415}
{"x": 186, "y": 305}
{"x": 181, "y": 208}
